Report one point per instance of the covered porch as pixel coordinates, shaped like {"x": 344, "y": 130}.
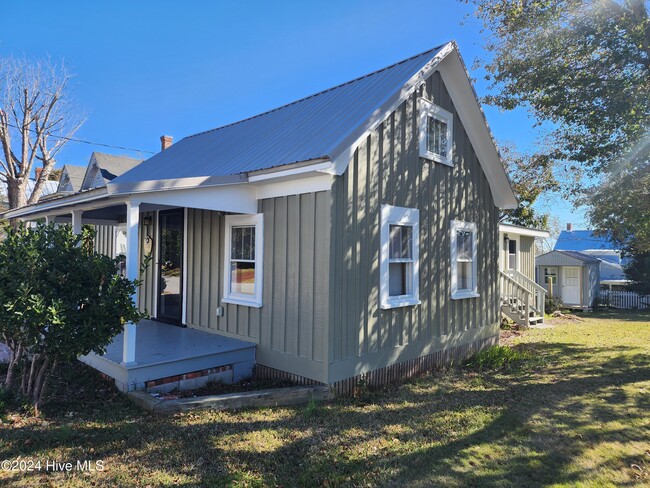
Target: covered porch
{"x": 160, "y": 352}
{"x": 167, "y": 355}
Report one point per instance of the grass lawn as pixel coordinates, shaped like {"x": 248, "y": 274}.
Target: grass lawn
{"x": 575, "y": 413}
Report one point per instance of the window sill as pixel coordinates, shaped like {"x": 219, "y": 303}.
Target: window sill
{"x": 245, "y": 303}
{"x": 436, "y": 158}
{"x": 400, "y": 302}
{"x": 464, "y": 294}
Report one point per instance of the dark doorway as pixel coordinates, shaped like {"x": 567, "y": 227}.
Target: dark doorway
{"x": 170, "y": 267}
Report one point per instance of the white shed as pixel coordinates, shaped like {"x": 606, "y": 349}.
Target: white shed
{"x": 572, "y": 276}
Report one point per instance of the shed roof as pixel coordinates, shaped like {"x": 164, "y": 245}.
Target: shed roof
{"x": 565, "y": 258}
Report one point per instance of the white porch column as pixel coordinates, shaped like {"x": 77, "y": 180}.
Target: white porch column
{"x": 132, "y": 272}
{"x": 76, "y": 221}
{"x": 48, "y": 220}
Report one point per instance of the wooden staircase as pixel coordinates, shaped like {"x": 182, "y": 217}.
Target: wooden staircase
{"x": 522, "y": 300}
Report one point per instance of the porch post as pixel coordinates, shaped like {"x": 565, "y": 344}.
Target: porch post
{"x": 48, "y": 220}
{"x": 132, "y": 271}
{"x": 76, "y": 221}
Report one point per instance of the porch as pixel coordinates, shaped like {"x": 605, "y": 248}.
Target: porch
{"x": 174, "y": 354}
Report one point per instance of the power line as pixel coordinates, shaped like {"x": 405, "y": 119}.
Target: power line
{"x": 72, "y": 139}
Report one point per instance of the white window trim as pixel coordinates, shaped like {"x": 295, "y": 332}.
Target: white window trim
{"x": 398, "y": 216}
{"x": 507, "y": 263}
{"x": 237, "y": 298}
{"x": 457, "y": 294}
{"x": 428, "y": 109}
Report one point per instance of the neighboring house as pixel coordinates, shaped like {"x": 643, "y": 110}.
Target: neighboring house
{"x": 522, "y": 299}
{"x": 351, "y": 234}
{"x": 104, "y": 168}
{"x": 612, "y": 274}
{"x": 48, "y": 188}
{"x": 572, "y": 276}
{"x": 72, "y": 178}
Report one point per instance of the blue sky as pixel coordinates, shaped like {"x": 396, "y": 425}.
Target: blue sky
{"x": 147, "y": 68}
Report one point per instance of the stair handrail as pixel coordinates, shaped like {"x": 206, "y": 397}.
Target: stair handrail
{"x": 538, "y": 290}
{"x": 511, "y": 288}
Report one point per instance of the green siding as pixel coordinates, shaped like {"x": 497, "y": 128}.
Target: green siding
{"x": 104, "y": 239}
{"x": 527, "y": 256}
{"x": 386, "y": 169}
{"x": 290, "y": 326}
{"x": 147, "y": 294}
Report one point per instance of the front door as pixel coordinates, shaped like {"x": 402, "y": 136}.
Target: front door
{"x": 170, "y": 266}
{"x": 571, "y": 285}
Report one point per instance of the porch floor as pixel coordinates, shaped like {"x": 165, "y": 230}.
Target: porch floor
{"x": 164, "y": 350}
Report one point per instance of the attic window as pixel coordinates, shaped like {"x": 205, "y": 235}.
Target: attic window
{"x": 436, "y": 129}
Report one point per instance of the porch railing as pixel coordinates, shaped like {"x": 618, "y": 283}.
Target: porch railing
{"x": 524, "y": 298}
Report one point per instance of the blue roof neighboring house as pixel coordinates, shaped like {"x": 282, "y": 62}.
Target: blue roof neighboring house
{"x": 587, "y": 242}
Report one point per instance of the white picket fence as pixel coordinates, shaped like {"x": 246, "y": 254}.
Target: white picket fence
{"x": 625, "y": 299}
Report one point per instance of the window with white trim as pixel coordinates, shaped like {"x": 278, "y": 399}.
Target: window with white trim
{"x": 399, "y": 266}
{"x": 436, "y": 130}
{"x": 512, "y": 254}
{"x": 243, "y": 260}
{"x": 463, "y": 260}
{"x": 550, "y": 275}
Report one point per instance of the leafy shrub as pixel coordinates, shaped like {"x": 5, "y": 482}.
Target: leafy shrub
{"x": 553, "y": 304}
{"x": 497, "y": 357}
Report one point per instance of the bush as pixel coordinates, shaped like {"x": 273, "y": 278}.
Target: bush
{"x": 496, "y": 357}
{"x": 552, "y": 304}
{"x": 59, "y": 300}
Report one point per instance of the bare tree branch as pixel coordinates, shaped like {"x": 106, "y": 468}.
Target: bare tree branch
{"x": 35, "y": 116}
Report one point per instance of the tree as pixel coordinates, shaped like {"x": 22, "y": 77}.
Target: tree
{"x": 59, "y": 300}
{"x": 582, "y": 65}
{"x": 638, "y": 271}
{"x": 621, "y": 207}
{"x": 36, "y": 120}
{"x": 530, "y": 177}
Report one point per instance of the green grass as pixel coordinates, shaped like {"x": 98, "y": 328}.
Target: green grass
{"x": 574, "y": 412}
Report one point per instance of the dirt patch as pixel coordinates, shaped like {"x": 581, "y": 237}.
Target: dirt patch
{"x": 508, "y": 336}
{"x": 564, "y": 318}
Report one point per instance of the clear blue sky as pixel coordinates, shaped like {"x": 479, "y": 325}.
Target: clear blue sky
{"x": 147, "y": 68}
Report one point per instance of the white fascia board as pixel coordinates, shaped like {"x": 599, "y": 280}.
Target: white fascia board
{"x": 523, "y": 231}
{"x": 456, "y": 79}
{"x": 342, "y": 151}
{"x": 322, "y": 167}
{"x": 227, "y": 198}
{"x": 294, "y": 186}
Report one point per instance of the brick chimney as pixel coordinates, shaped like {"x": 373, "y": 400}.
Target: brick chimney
{"x": 165, "y": 142}
{"x": 569, "y": 227}
{"x": 38, "y": 172}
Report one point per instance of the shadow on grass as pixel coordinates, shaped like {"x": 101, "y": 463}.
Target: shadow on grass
{"x": 532, "y": 427}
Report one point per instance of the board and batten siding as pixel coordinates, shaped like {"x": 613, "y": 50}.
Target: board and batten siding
{"x": 104, "y": 242}
{"x": 386, "y": 169}
{"x": 148, "y": 291}
{"x": 290, "y": 327}
{"x": 527, "y": 256}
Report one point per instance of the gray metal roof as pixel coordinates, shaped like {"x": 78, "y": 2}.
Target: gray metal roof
{"x": 549, "y": 258}
{"x": 305, "y": 130}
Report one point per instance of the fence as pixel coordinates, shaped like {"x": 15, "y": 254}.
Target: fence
{"x": 625, "y": 299}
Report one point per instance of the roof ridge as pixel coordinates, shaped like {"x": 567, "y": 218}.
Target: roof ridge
{"x": 320, "y": 92}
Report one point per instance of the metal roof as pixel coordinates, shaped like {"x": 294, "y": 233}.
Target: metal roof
{"x": 582, "y": 240}
{"x": 305, "y": 130}
{"x": 549, "y": 256}
{"x": 48, "y": 188}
